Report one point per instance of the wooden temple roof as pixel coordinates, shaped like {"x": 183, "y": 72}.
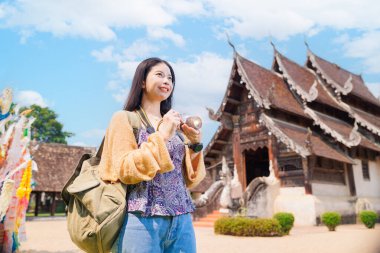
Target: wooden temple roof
{"x": 367, "y": 120}
{"x": 341, "y": 80}
{"x": 302, "y": 140}
{"x": 290, "y": 88}
{"x": 217, "y": 143}
{"x": 305, "y": 82}
{"x": 369, "y": 144}
{"x": 56, "y": 163}
{"x": 338, "y": 129}
{"x": 267, "y": 87}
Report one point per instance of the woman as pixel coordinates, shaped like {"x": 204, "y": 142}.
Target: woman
{"x": 157, "y": 167}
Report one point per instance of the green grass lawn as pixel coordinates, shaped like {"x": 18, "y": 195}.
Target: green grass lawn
{"x": 44, "y": 214}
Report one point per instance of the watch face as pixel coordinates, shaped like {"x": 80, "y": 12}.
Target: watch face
{"x": 197, "y": 147}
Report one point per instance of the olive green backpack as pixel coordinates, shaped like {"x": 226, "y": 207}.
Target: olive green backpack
{"x": 96, "y": 209}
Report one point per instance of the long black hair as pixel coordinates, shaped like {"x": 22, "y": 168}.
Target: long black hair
{"x": 134, "y": 98}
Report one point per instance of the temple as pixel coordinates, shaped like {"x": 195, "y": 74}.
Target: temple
{"x": 316, "y": 128}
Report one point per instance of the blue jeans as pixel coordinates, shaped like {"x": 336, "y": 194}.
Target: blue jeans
{"x": 157, "y": 234}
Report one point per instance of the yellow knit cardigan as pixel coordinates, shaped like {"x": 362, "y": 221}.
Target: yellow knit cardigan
{"x": 123, "y": 160}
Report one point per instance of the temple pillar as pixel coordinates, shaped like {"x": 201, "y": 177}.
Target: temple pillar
{"x": 237, "y": 151}
{"x": 308, "y": 164}
{"x": 38, "y": 203}
{"x": 53, "y": 204}
{"x": 350, "y": 177}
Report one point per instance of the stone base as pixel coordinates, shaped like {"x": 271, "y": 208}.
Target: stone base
{"x": 307, "y": 208}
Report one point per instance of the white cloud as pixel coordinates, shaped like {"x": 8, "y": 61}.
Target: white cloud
{"x": 93, "y": 19}
{"x": 126, "y": 60}
{"x": 29, "y": 97}
{"x": 365, "y": 47}
{"x": 2, "y": 11}
{"x": 140, "y": 49}
{"x": 100, "y": 19}
{"x": 113, "y": 85}
{"x": 105, "y": 55}
{"x": 162, "y": 33}
{"x": 258, "y": 19}
{"x": 121, "y": 95}
{"x": 126, "y": 69}
{"x": 80, "y": 144}
{"x": 200, "y": 81}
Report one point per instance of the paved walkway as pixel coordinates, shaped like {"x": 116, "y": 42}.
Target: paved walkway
{"x": 46, "y": 236}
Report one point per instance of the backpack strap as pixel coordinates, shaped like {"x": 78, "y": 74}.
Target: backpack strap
{"x": 149, "y": 128}
{"x": 144, "y": 119}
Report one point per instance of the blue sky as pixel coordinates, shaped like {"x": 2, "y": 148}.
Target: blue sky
{"x": 78, "y": 57}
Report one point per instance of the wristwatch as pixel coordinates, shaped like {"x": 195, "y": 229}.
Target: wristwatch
{"x": 196, "y": 147}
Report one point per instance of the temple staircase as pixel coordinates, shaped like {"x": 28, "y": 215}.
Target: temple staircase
{"x": 208, "y": 221}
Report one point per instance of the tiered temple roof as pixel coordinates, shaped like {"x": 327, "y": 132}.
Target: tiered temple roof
{"x": 299, "y": 91}
{"x": 302, "y": 140}
{"x": 367, "y": 120}
{"x": 304, "y": 82}
{"x": 343, "y": 81}
{"x": 349, "y": 85}
{"x": 267, "y": 87}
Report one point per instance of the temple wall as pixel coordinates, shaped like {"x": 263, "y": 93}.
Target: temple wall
{"x": 367, "y": 188}
{"x": 332, "y": 190}
{"x": 294, "y": 200}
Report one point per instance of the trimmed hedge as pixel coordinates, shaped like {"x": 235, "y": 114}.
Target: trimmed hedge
{"x": 331, "y": 220}
{"x": 242, "y": 226}
{"x": 369, "y": 218}
{"x": 286, "y": 221}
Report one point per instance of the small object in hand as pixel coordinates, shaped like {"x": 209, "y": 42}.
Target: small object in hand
{"x": 194, "y": 122}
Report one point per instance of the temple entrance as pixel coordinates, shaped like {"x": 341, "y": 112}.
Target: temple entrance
{"x": 256, "y": 164}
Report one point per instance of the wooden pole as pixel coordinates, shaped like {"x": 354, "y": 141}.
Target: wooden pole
{"x": 351, "y": 181}
{"x": 308, "y": 164}
{"x": 38, "y": 202}
{"x": 53, "y": 204}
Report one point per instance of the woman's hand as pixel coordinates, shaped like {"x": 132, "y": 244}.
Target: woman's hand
{"x": 170, "y": 124}
{"x": 192, "y": 134}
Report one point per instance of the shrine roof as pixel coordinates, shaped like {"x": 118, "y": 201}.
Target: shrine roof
{"x": 305, "y": 82}
{"x": 338, "y": 129}
{"x": 342, "y": 80}
{"x": 369, "y": 144}
{"x": 369, "y": 121}
{"x": 301, "y": 140}
{"x": 221, "y": 135}
{"x": 56, "y": 163}
{"x": 267, "y": 87}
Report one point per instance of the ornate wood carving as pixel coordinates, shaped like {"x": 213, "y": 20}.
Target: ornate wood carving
{"x": 272, "y": 153}
{"x": 254, "y": 145}
{"x": 226, "y": 121}
{"x": 237, "y": 154}
{"x": 290, "y": 163}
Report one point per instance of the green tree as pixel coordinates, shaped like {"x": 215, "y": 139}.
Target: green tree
{"x": 46, "y": 127}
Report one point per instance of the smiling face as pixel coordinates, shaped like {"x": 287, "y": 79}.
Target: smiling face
{"x": 158, "y": 84}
